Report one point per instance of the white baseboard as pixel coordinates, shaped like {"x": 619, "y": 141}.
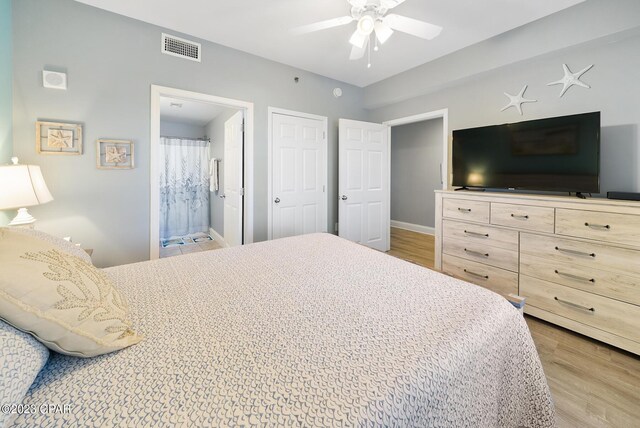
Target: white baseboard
{"x": 427, "y": 230}
{"x": 218, "y": 238}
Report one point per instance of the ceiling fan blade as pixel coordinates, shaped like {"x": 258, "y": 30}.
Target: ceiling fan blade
{"x": 323, "y": 25}
{"x": 383, "y": 32}
{"x": 390, "y": 4}
{"x": 358, "y": 39}
{"x": 421, "y": 29}
{"x": 358, "y": 52}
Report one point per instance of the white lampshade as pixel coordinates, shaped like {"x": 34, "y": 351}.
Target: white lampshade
{"x": 22, "y": 186}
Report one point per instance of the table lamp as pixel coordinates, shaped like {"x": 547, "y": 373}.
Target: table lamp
{"x": 22, "y": 186}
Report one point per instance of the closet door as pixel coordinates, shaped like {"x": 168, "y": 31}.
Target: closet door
{"x": 299, "y": 173}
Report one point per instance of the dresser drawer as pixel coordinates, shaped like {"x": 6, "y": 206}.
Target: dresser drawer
{"x": 471, "y": 250}
{"x": 540, "y": 219}
{"x": 579, "y": 253}
{"x": 495, "y": 279}
{"x": 609, "y": 227}
{"x": 462, "y": 209}
{"x": 487, "y": 235}
{"x": 603, "y": 283}
{"x": 622, "y": 319}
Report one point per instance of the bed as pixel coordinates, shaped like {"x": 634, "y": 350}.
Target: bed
{"x": 303, "y": 331}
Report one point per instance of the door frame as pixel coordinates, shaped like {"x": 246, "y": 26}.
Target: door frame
{"x": 446, "y": 147}
{"x": 325, "y": 122}
{"x": 154, "y": 169}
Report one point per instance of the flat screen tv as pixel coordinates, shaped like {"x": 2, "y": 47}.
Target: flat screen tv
{"x": 560, "y": 154}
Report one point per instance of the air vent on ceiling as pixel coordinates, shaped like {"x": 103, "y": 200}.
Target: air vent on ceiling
{"x": 172, "y": 45}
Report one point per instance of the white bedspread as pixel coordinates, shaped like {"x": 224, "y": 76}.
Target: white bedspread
{"x": 304, "y": 331}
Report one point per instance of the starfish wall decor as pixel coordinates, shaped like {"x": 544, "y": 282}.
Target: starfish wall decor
{"x": 571, "y": 79}
{"x": 517, "y": 100}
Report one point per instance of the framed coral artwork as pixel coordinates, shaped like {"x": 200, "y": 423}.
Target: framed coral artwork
{"x": 53, "y": 138}
{"x": 114, "y": 154}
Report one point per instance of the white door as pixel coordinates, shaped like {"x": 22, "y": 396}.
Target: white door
{"x": 233, "y": 188}
{"x": 299, "y": 174}
{"x": 363, "y": 183}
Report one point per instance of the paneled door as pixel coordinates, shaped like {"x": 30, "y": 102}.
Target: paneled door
{"x": 363, "y": 183}
{"x": 299, "y": 176}
{"x": 233, "y": 184}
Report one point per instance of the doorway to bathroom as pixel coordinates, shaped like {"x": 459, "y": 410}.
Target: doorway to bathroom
{"x": 198, "y": 163}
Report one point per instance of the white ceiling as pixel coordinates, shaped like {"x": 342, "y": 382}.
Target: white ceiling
{"x": 191, "y": 112}
{"x": 263, "y": 27}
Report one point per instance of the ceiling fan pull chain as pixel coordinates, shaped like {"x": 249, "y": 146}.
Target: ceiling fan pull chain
{"x": 369, "y": 51}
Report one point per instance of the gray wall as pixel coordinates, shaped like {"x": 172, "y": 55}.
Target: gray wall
{"x": 574, "y": 26}
{"x": 416, "y": 155}
{"x": 111, "y": 62}
{"x": 177, "y": 129}
{"x": 614, "y": 92}
{"x": 215, "y": 131}
{"x": 6, "y": 95}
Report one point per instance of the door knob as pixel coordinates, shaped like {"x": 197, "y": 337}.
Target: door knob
{"x": 277, "y": 200}
{"x": 344, "y": 197}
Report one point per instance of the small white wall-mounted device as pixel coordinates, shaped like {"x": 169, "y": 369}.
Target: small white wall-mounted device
{"x": 54, "y": 80}
{"x": 337, "y": 92}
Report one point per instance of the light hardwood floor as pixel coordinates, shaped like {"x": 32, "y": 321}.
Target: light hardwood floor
{"x": 415, "y": 247}
{"x": 593, "y": 384}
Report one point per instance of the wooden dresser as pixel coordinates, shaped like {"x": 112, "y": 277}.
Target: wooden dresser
{"x": 576, "y": 261}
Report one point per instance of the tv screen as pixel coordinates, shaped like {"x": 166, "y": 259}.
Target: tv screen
{"x": 556, "y": 154}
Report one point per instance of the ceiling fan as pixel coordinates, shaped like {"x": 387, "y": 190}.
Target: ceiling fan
{"x": 373, "y": 18}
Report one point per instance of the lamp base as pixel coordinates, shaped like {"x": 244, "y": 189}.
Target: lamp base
{"x": 23, "y": 219}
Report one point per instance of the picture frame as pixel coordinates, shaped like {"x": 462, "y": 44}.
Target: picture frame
{"x": 57, "y": 138}
{"x": 114, "y": 154}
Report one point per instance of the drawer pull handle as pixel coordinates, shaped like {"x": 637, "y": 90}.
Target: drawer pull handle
{"x": 576, "y": 277}
{"x": 476, "y": 253}
{"x": 522, "y": 217}
{"x": 575, "y": 305}
{"x": 476, "y": 274}
{"x": 481, "y": 235}
{"x": 598, "y": 226}
{"x": 577, "y": 253}
{"x": 464, "y": 210}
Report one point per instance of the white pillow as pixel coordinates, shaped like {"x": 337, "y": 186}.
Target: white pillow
{"x": 21, "y": 359}
{"x": 65, "y": 246}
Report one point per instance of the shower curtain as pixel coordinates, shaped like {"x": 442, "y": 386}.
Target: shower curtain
{"x": 184, "y": 187}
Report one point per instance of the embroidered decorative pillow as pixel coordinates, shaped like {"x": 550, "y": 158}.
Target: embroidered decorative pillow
{"x": 21, "y": 359}
{"x": 65, "y": 246}
{"x": 66, "y": 303}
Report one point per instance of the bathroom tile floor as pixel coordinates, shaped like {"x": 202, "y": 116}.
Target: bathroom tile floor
{"x": 177, "y": 250}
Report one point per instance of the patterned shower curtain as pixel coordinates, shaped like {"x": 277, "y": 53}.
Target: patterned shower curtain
{"x": 184, "y": 187}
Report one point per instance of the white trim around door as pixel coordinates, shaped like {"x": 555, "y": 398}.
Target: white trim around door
{"x": 218, "y": 238}
{"x": 154, "y": 170}
{"x": 325, "y": 124}
{"x": 446, "y": 146}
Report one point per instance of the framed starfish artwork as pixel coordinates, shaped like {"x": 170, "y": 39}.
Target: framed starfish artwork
{"x": 53, "y": 138}
{"x": 114, "y": 154}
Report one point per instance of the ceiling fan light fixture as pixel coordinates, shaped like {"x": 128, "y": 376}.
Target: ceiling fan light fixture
{"x": 366, "y": 24}
{"x": 383, "y": 32}
{"x": 358, "y": 39}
